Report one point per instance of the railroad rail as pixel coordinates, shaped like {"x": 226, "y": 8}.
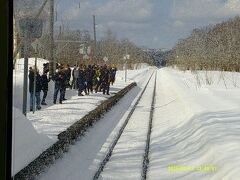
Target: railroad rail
{"x": 115, "y": 141}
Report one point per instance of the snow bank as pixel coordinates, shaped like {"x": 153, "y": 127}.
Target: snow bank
{"x": 195, "y": 127}
{"x": 27, "y": 143}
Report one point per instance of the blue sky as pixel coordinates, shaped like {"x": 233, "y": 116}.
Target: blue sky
{"x": 149, "y": 23}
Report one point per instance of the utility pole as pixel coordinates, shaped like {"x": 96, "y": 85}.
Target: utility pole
{"x": 59, "y": 36}
{"x": 126, "y": 64}
{"x": 51, "y": 31}
{"x": 25, "y": 79}
{"x": 35, "y": 75}
{"x": 95, "y": 41}
{"x": 34, "y": 85}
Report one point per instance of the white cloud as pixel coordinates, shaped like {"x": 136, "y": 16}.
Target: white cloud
{"x": 178, "y": 24}
{"x": 192, "y": 9}
{"x": 124, "y": 13}
{"x": 232, "y": 7}
{"x": 74, "y": 12}
{"x": 126, "y": 10}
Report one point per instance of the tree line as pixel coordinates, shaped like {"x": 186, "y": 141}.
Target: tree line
{"x": 215, "y": 47}
{"x": 68, "y": 43}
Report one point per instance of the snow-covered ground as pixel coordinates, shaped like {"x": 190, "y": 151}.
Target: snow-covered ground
{"x": 195, "y": 126}
{"x": 127, "y": 156}
{"x": 83, "y": 158}
{"x": 196, "y": 123}
{"x": 36, "y": 132}
{"x": 27, "y": 142}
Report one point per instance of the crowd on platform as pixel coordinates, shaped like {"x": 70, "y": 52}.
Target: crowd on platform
{"x": 83, "y": 78}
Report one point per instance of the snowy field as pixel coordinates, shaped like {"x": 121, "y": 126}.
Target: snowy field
{"x": 196, "y": 127}
{"x": 195, "y": 133}
{"x": 43, "y": 126}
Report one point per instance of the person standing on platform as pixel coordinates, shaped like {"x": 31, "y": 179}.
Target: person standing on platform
{"x": 81, "y": 81}
{"x": 105, "y": 80}
{"x": 89, "y": 78}
{"x": 45, "y": 80}
{"x": 113, "y": 71}
{"x": 75, "y": 74}
{"x": 59, "y": 85}
{"x": 38, "y": 88}
{"x": 68, "y": 75}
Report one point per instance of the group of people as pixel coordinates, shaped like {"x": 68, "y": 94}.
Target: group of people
{"x": 85, "y": 79}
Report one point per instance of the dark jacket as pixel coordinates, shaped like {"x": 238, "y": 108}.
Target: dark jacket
{"x": 113, "y": 72}
{"x": 66, "y": 77}
{"x": 81, "y": 79}
{"x": 31, "y": 82}
{"x": 106, "y": 76}
{"x": 89, "y": 74}
{"x": 45, "y": 82}
{"x": 60, "y": 78}
{"x": 68, "y": 74}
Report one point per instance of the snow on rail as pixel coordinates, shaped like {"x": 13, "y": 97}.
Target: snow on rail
{"x": 132, "y": 138}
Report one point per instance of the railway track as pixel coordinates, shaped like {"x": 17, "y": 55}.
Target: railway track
{"x": 145, "y": 161}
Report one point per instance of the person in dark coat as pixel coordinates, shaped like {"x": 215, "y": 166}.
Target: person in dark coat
{"x": 113, "y": 71}
{"x": 89, "y": 78}
{"x": 59, "y": 85}
{"x": 38, "y": 88}
{"x": 100, "y": 81}
{"x": 105, "y": 80}
{"x": 81, "y": 82}
{"x": 68, "y": 75}
{"x": 45, "y": 80}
